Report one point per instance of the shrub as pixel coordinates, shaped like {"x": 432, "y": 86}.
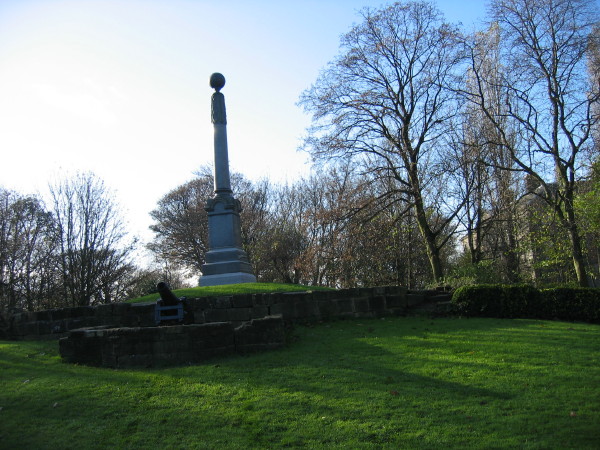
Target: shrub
{"x": 572, "y": 304}
{"x": 523, "y": 301}
{"x": 496, "y": 300}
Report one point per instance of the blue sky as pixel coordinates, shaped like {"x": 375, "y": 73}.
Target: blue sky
{"x": 121, "y": 87}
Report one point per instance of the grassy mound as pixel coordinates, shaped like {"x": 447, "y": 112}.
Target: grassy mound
{"x": 393, "y": 383}
{"x": 232, "y": 289}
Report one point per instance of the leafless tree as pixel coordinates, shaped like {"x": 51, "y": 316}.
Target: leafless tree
{"x": 387, "y": 102}
{"x": 27, "y": 275}
{"x": 547, "y": 95}
{"x": 94, "y": 252}
{"x": 489, "y": 183}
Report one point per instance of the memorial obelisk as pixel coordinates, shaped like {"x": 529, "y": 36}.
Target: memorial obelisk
{"x": 226, "y": 261}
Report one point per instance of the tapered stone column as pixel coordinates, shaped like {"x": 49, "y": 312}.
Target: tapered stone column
{"x": 226, "y": 262}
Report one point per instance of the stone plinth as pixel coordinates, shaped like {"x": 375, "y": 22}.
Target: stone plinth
{"x": 226, "y": 262}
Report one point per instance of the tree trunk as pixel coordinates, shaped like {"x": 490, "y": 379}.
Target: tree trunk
{"x": 578, "y": 258}
{"x": 433, "y": 251}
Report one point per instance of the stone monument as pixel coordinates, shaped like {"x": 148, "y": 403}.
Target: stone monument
{"x": 226, "y": 261}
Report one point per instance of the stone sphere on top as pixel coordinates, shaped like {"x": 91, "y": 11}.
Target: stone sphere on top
{"x": 217, "y": 81}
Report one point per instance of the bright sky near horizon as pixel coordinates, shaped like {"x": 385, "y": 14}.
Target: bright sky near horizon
{"x": 120, "y": 88}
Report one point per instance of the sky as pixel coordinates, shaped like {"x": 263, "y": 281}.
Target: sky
{"x": 120, "y": 88}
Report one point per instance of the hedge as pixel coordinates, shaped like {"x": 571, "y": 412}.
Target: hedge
{"x": 524, "y": 301}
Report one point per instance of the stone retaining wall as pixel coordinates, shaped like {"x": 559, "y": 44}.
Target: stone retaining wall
{"x": 237, "y": 309}
{"x": 169, "y": 345}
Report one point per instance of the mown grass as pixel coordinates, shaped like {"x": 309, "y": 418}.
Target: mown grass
{"x": 393, "y": 383}
{"x": 232, "y": 289}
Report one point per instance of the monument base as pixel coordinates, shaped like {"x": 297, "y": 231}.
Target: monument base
{"x": 227, "y": 278}
{"x": 226, "y": 266}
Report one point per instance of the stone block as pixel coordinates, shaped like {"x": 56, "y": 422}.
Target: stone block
{"x": 274, "y": 298}
{"x": 142, "y": 314}
{"x": 104, "y": 312}
{"x": 60, "y": 314}
{"x": 379, "y": 290}
{"x": 262, "y": 299}
{"x": 163, "y": 346}
{"x": 395, "y": 301}
{"x": 259, "y": 311}
{"x": 414, "y": 298}
{"x": 361, "y": 305}
{"x": 79, "y": 349}
{"x": 367, "y": 292}
{"x": 121, "y": 316}
{"x": 306, "y": 309}
{"x": 211, "y": 334}
{"x": 328, "y": 309}
{"x": 219, "y": 302}
{"x": 216, "y": 315}
{"x": 286, "y": 310}
{"x": 321, "y": 296}
{"x": 30, "y": 328}
{"x": 395, "y": 290}
{"x": 242, "y": 301}
{"x": 58, "y": 326}
{"x": 199, "y": 317}
{"x": 199, "y": 304}
{"x": 345, "y": 305}
{"x": 295, "y": 297}
{"x": 260, "y": 334}
{"x": 239, "y": 314}
{"x": 42, "y": 316}
{"x": 44, "y": 327}
{"x": 80, "y": 322}
{"x": 377, "y": 304}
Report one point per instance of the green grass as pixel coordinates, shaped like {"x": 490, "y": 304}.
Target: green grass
{"x": 232, "y": 289}
{"x": 393, "y": 383}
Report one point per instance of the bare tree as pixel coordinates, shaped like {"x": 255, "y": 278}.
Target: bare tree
{"x": 27, "y": 275}
{"x": 488, "y": 185}
{"x": 387, "y": 102}
{"x": 548, "y": 98}
{"x": 93, "y": 249}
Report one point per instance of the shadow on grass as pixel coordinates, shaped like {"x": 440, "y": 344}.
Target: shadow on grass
{"x": 410, "y": 381}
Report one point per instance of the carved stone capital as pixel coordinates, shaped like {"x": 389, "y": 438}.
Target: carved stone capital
{"x": 223, "y": 202}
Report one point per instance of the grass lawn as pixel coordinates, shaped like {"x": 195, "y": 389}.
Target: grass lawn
{"x": 393, "y": 383}
{"x": 232, "y": 289}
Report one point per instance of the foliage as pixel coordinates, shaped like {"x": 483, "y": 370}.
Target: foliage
{"x": 465, "y": 273}
{"x": 582, "y": 304}
{"x": 394, "y": 383}
{"x": 587, "y": 205}
{"x": 181, "y": 225}
{"x": 495, "y": 300}
{"x": 547, "y": 243}
{"x": 231, "y": 289}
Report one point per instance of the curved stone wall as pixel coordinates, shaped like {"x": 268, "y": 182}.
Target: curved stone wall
{"x": 238, "y": 309}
